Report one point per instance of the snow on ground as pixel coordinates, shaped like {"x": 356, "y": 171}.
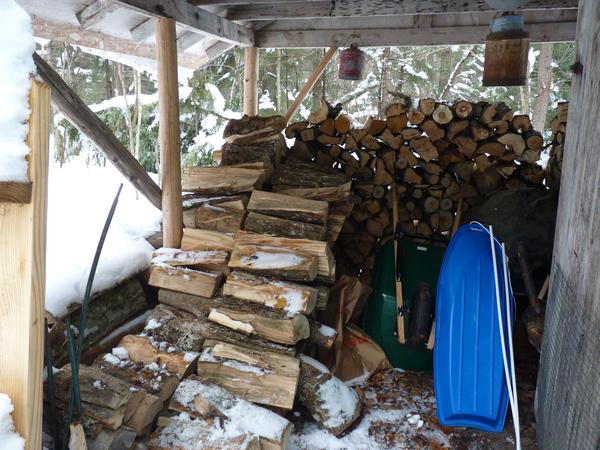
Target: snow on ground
{"x": 15, "y": 66}
{"x": 79, "y": 199}
{"x": 9, "y": 438}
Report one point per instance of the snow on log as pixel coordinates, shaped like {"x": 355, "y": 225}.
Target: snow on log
{"x": 202, "y": 400}
{"x": 331, "y": 403}
{"x": 196, "y": 259}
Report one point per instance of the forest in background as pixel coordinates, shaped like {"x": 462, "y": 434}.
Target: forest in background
{"x": 125, "y": 97}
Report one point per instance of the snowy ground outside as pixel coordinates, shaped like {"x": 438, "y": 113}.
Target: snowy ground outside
{"x": 79, "y": 198}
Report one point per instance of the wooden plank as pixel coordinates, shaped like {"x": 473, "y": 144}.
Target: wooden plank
{"x": 185, "y": 280}
{"x": 251, "y": 81}
{"x": 98, "y": 132}
{"x": 566, "y": 415}
{"x": 13, "y": 192}
{"x": 69, "y": 34}
{"x": 95, "y": 12}
{"x": 365, "y": 8}
{"x": 22, "y": 281}
{"x": 310, "y": 82}
{"x": 168, "y": 132}
{"x": 382, "y": 37}
{"x": 193, "y": 19}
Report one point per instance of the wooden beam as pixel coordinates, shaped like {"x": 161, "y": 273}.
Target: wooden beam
{"x": 194, "y": 19}
{"x": 251, "y": 81}
{"x": 539, "y": 32}
{"x": 95, "y": 12}
{"x": 98, "y": 132}
{"x": 22, "y": 281}
{"x": 312, "y": 79}
{"x": 70, "y": 34}
{"x": 366, "y": 8}
{"x": 168, "y": 132}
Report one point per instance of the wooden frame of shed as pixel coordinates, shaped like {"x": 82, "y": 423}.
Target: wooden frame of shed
{"x": 191, "y": 33}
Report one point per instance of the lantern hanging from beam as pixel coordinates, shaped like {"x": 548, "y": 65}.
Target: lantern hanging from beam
{"x": 506, "y": 52}
{"x": 352, "y": 63}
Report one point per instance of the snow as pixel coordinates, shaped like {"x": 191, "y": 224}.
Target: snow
{"x": 265, "y": 102}
{"x": 15, "y": 66}
{"x": 243, "y": 367}
{"x": 268, "y": 260}
{"x": 153, "y": 324}
{"x": 327, "y": 331}
{"x": 338, "y": 400}
{"x": 9, "y": 438}
{"x": 79, "y": 199}
{"x": 97, "y": 384}
{"x": 120, "y": 352}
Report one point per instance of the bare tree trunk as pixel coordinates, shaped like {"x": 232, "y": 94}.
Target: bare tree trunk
{"x": 384, "y": 85}
{"x": 524, "y": 90}
{"x": 278, "y": 81}
{"x": 544, "y": 85}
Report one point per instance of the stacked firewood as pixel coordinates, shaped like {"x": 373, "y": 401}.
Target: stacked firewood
{"x": 435, "y": 156}
{"x": 221, "y": 359}
{"x": 558, "y": 125}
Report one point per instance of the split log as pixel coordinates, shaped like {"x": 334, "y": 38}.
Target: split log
{"x": 120, "y": 438}
{"x": 206, "y": 240}
{"x": 396, "y": 124}
{"x": 466, "y": 145}
{"x": 415, "y": 116}
{"x": 395, "y": 109}
{"x": 276, "y": 294}
{"x": 253, "y": 128}
{"x": 298, "y": 174}
{"x": 320, "y": 249}
{"x": 514, "y": 142}
{"x": 261, "y": 223}
{"x": 321, "y": 335}
{"x": 185, "y": 280}
{"x": 492, "y": 148}
{"x": 273, "y": 261}
{"x": 222, "y": 180}
{"x": 424, "y": 148}
{"x": 196, "y": 259}
{"x": 202, "y": 400}
{"x": 328, "y": 194}
{"x": 332, "y": 404}
{"x": 182, "y": 432}
{"x": 434, "y": 132}
{"x": 521, "y": 122}
{"x": 184, "y": 322}
{"x": 427, "y": 106}
{"x": 294, "y": 129}
{"x": 215, "y": 218}
{"x": 342, "y": 124}
{"x": 478, "y": 131}
{"x": 288, "y": 207}
{"x": 456, "y": 127}
{"x": 269, "y": 152}
{"x": 142, "y": 349}
{"x": 260, "y": 377}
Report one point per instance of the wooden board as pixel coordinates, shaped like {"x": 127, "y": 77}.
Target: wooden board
{"x": 265, "y": 260}
{"x": 185, "y": 280}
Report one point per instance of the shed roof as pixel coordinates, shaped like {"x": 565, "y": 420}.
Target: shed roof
{"x": 208, "y": 28}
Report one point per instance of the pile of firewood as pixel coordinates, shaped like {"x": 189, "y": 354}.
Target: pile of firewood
{"x": 558, "y": 125}
{"x": 226, "y": 345}
{"x": 436, "y": 157}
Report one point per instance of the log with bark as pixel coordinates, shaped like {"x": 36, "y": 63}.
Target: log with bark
{"x": 288, "y": 207}
{"x": 184, "y": 279}
{"x": 261, "y": 223}
{"x": 250, "y": 129}
{"x": 222, "y": 180}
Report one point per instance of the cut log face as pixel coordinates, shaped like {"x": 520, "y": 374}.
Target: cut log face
{"x": 222, "y": 180}
{"x": 332, "y": 404}
{"x": 261, "y": 223}
{"x": 201, "y": 259}
{"x": 206, "y": 240}
{"x": 274, "y": 261}
{"x": 442, "y": 115}
{"x": 322, "y": 335}
{"x": 289, "y": 297}
{"x": 257, "y": 376}
{"x": 288, "y": 207}
{"x": 201, "y": 400}
{"x": 182, "y": 432}
{"x": 185, "y": 280}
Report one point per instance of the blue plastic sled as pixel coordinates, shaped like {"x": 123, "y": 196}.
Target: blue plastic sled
{"x": 469, "y": 380}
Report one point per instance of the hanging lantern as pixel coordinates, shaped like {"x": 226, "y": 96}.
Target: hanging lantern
{"x": 506, "y": 52}
{"x": 352, "y": 63}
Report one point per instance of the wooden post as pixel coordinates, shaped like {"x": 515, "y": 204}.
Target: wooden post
{"x": 22, "y": 281}
{"x": 251, "y": 81}
{"x": 168, "y": 132}
{"x": 312, "y": 79}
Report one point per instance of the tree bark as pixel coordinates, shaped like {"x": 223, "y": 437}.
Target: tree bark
{"x": 544, "y": 85}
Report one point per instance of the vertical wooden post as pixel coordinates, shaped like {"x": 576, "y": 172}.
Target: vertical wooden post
{"x": 22, "y": 281}
{"x": 168, "y": 132}
{"x": 251, "y": 81}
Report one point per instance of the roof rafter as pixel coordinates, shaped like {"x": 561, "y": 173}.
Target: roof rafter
{"x": 194, "y": 19}
{"x": 369, "y": 8}
{"x": 95, "y": 12}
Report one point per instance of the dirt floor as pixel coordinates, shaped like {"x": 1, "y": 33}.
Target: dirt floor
{"x": 400, "y": 413}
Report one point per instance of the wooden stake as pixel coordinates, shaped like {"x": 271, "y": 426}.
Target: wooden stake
{"x": 312, "y": 79}
{"x": 22, "y": 281}
{"x": 251, "y": 81}
{"x": 399, "y": 299}
{"x": 168, "y": 132}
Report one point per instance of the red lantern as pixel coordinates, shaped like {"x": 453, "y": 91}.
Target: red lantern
{"x": 352, "y": 63}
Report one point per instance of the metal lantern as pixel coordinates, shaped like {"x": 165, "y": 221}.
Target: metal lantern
{"x": 506, "y": 52}
{"x": 352, "y": 63}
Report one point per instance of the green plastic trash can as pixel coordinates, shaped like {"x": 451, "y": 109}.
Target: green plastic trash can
{"x": 420, "y": 261}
